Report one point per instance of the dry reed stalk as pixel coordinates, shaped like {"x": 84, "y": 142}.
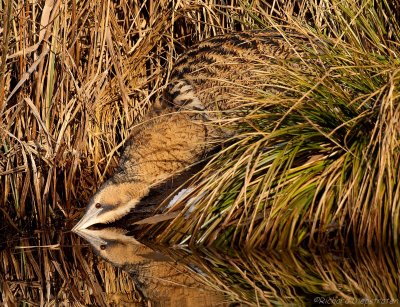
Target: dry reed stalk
{"x": 6, "y": 32}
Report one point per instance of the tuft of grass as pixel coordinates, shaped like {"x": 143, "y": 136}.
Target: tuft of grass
{"x": 317, "y": 163}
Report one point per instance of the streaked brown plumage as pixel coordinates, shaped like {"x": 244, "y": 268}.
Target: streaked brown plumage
{"x": 209, "y": 77}
{"x": 213, "y": 74}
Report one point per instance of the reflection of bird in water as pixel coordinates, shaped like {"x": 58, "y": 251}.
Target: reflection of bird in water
{"x": 213, "y": 77}
{"x": 161, "y": 280}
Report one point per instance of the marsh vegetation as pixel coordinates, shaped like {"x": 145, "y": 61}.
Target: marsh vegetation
{"x": 313, "y": 165}
{"x": 315, "y": 161}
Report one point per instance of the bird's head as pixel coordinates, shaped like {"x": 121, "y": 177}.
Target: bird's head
{"x": 111, "y": 202}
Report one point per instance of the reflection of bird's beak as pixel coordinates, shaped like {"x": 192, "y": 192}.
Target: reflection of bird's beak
{"x": 98, "y": 237}
{"x": 88, "y": 219}
{"x": 92, "y": 236}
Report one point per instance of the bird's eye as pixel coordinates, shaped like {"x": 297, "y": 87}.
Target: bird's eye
{"x": 98, "y": 205}
{"x": 103, "y": 247}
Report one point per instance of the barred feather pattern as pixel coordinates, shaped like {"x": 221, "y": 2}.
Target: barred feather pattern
{"x": 216, "y": 71}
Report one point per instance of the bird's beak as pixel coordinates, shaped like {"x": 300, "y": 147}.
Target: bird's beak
{"x": 90, "y": 218}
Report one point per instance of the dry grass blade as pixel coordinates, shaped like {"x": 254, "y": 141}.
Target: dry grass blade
{"x": 6, "y": 34}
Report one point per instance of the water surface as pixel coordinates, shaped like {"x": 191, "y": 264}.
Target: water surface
{"x": 108, "y": 267}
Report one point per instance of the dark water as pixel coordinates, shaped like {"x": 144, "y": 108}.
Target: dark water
{"x": 108, "y": 267}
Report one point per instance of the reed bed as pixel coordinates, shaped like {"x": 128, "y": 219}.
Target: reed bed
{"x": 317, "y": 162}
